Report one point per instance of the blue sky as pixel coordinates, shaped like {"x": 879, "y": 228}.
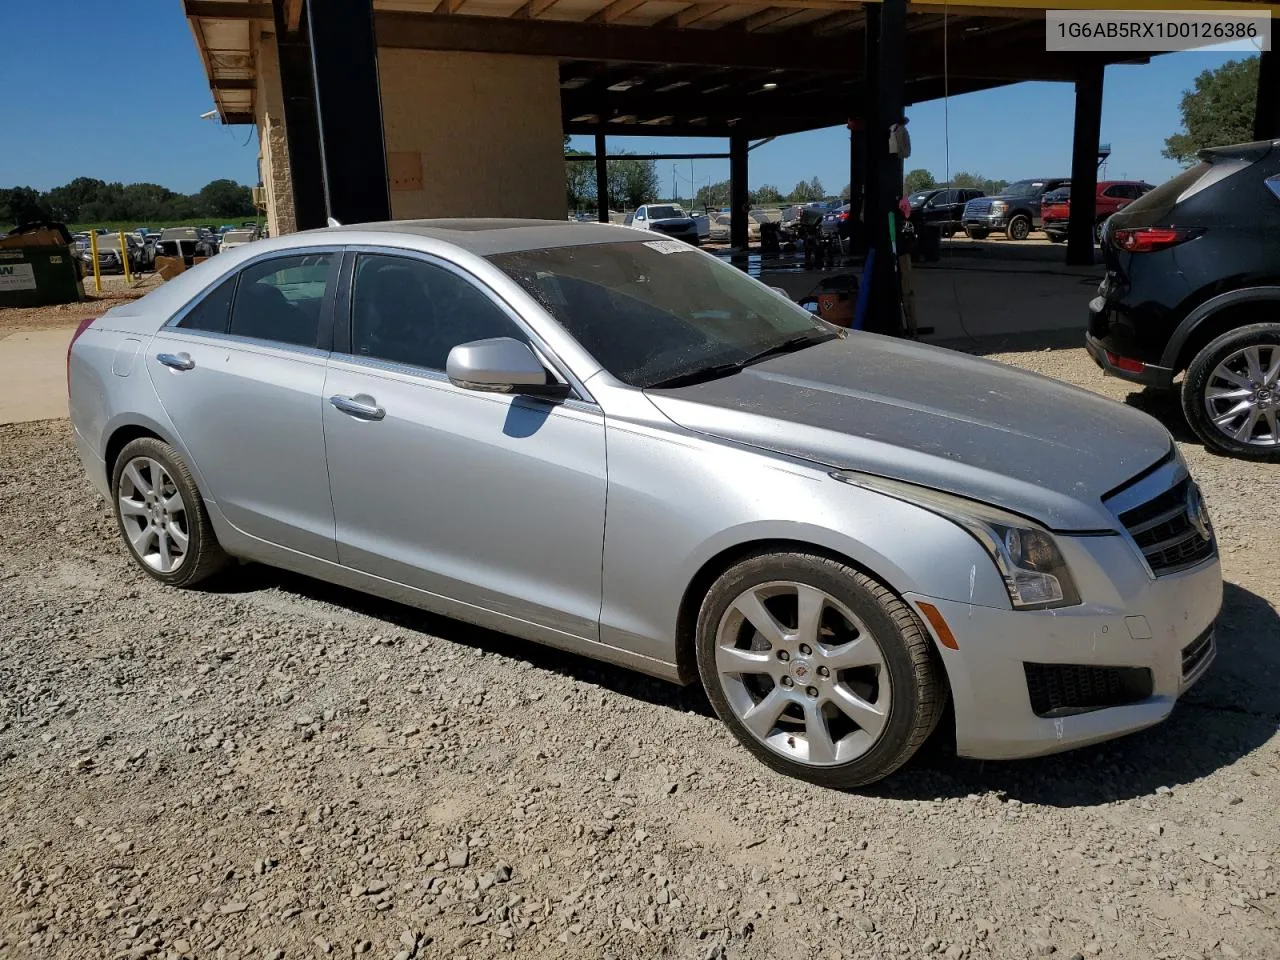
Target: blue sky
{"x": 58, "y": 119}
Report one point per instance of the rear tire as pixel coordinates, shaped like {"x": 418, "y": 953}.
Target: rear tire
{"x": 1231, "y": 393}
{"x": 817, "y": 669}
{"x": 1019, "y": 227}
{"x": 161, "y": 515}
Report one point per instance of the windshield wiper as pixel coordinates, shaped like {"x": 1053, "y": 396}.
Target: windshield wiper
{"x": 790, "y": 346}
{"x": 725, "y": 369}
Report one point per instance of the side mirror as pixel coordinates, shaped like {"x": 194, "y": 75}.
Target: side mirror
{"x": 501, "y": 365}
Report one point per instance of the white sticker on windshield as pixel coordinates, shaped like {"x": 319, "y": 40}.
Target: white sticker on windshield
{"x": 669, "y": 246}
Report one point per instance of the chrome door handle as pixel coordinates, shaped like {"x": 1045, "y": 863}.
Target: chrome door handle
{"x": 178, "y": 361}
{"x": 365, "y": 411}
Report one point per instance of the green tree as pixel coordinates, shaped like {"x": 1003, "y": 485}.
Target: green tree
{"x": 844, "y": 194}
{"x": 632, "y": 182}
{"x": 19, "y": 205}
{"x": 917, "y": 180}
{"x": 579, "y": 181}
{"x": 67, "y": 202}
{"x": 807, "y": 191}
{"x": 224, "y": 198}
{"x": 714, "y": 195}
{"x": 977, "y": 181}
{"x": 1217, "y": 112}
{"x": 766, "y": 195}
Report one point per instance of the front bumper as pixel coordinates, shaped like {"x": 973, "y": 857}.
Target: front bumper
{"x": 1128, "y": 621}
{"x": 989, "y": 222}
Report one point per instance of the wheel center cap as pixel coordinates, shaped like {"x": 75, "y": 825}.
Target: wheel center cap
{"x": 801, "y": 670}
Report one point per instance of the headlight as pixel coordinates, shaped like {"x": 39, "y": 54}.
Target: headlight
{"x": 1027, "y": 556}
{"x": 999, "y": 206}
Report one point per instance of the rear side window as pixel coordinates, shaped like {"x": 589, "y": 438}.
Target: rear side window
{"x": 280, "y": 299}
{"x": 1161, "y": 200}
{"x": 211, "y": 313}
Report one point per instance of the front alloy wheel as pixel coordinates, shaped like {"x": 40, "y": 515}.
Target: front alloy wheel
{"x": 1019, "y": 228}
{"x": 817, "y": 669}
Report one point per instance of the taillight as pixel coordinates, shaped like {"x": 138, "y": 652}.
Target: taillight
{"x": 1149, "y": 239}
{"x": 843, "y": 216}
{"x": 81, "y": 328}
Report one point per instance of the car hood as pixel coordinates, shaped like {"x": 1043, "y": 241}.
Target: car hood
{"x": 933, "y": 417}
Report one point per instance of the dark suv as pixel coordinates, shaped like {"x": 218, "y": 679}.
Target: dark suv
{"x": 1015, "y": 210}
{"x": 943, "y": 207}
{"x": 1193, "y": 283}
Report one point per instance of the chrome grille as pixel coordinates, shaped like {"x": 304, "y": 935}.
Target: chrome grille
{"x": 977, "y": 208}
{"x": 1165, "y": 534}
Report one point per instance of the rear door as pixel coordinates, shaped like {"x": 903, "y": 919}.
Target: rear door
{"x": 240, "y": 373}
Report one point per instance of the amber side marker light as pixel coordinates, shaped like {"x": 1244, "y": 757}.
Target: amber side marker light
{"x": 932, "y": 614}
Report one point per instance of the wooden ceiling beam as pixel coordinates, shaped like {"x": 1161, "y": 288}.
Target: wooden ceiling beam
{"x": 615, "y": 11}
{"x": 292, "y": 15}
{"x": 533, "y": 8}
{"x": 225, "y": 10}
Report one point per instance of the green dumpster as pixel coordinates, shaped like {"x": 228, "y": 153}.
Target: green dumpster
{"x": 37, "y": 276}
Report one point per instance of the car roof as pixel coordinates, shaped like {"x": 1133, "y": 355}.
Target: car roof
{"x": 486, "y": 237}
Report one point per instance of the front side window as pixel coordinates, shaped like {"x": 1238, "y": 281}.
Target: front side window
{"x": 654, "y": 313}
{"x": 211, "y": 313}
{"x": 413, "y": 312}
{"x": 280, "y": 299}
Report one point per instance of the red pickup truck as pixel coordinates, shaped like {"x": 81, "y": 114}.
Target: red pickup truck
{"x": 1112, "y": 195}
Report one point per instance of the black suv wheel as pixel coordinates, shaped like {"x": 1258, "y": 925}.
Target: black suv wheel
{"x": 1231, "y": 395}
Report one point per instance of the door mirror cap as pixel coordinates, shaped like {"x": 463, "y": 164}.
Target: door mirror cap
{"x": 501, "y": 365}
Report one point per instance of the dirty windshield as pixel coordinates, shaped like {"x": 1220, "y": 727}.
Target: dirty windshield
{"x": 659, "y": 311}
{"x": 1023, "y": 188}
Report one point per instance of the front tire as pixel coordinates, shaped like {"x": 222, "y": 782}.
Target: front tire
{"x": 818, "y": 669}
{"x": 161, "y": 516}
{"x": 976, "y": 233}
{"x": 1231, "y": 394}
{"x": 1019, "y": 227}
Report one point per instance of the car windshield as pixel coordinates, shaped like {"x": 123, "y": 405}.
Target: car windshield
{"x": 918, "y": 198}
{"x": 661, "y": 311}
{"x": 1023, "y": 188}
{"x": 664, "y": 213}
{"x": 238, "y": 235}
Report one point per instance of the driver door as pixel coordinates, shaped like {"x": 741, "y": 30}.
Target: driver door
{"x": 491, "y": 501}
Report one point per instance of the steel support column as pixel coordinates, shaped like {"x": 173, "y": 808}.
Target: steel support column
{"x": 1084, "y": 165}
{"x": 884, "y": 181}
{"x": 739, "y": 195}
{"x": 602, "y": 181}
{"x": 1266, "y": 117}
{"x": 344, "y": 63}
{"x": 872, "y": 144}
{"x": 299, "y": 95}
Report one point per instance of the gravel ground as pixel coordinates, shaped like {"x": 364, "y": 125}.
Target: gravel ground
{"x": 279, "y": 768}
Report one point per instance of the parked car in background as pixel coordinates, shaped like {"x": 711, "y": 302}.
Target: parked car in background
{"x": 1112, "y": 195}
{"x": 237, "y": 238}
{"x": 1015, "y": 211}
{"x": 110, "y": 258}
{"x": 763, "y": 466}
{"x": 1193, "y": 284}
{"x": 668, "y": 219}
{"x": 186, "y": 243}
{"x": 942, "y": 208}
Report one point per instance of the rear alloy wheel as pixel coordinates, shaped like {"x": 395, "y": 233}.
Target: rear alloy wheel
{"x": 161, "y": 516}
{"x": 817, "y": 669}
{"x": 1231, "y": 395}
{"x": 1019, "y": 227}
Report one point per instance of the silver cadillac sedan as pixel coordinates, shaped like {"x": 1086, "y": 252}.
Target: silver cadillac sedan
{"x": 625, "y": 448}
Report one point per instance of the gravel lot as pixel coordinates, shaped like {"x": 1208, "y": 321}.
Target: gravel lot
{"x": 278, "y": 768}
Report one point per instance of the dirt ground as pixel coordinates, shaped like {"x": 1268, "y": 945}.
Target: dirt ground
{"x": 278, "y": 768}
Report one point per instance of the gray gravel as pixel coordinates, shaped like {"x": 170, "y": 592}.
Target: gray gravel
{"x": 278, "y": 768}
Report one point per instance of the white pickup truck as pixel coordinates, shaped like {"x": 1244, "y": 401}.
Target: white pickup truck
{"x": 671, "y": 220}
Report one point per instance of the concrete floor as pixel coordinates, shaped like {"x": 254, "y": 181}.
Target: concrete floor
{"x": 33, "y": 374}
